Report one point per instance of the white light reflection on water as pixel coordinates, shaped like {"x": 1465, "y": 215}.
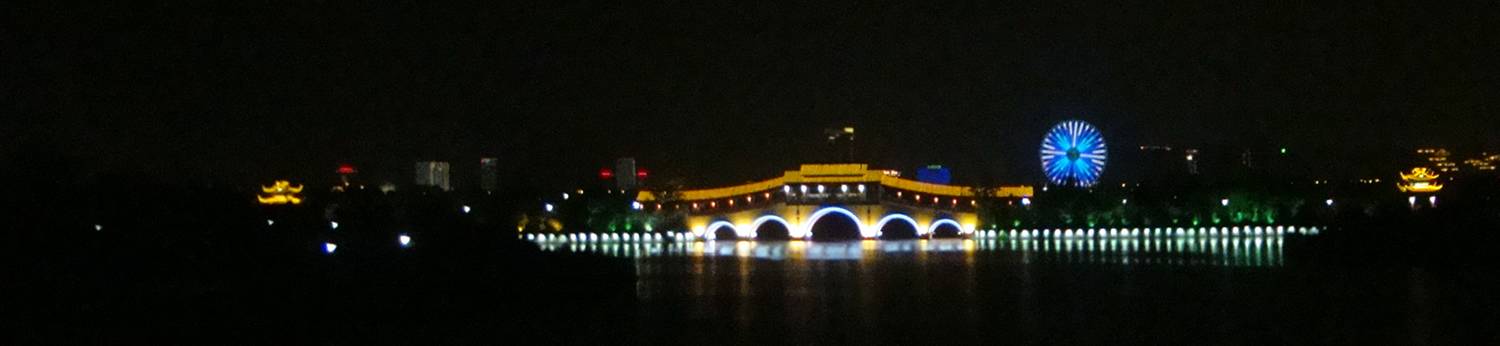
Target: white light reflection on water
{"x": 1201, "y": 249}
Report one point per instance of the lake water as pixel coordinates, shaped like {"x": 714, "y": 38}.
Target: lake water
{"x": 1139, "y": 290}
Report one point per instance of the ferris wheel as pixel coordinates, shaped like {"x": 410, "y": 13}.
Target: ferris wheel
{"x": 1073, "y": 154}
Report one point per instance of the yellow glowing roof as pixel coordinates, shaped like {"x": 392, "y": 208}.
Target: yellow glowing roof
{"x": 282, "y": 192}
{"x": 1419, "y": 174}
{"x": 281, "y": 186}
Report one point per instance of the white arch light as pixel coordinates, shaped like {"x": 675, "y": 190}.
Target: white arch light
{"x": 806, "y": 229}
{"x": 754, "y": 231}
{"x": 879, "y": 225}
{"x": 708, "y": 232}
{"x": 931, "y": 229}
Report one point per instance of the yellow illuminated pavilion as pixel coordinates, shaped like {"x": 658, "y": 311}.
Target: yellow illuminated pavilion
{"x": 282, "y": 192}
{"x": 1419, "y": 179}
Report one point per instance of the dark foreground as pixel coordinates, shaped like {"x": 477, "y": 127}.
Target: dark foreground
{"x": 484, "y": 293}
{"x": 123, "y": 290}
{"x": 1065, "y": 296}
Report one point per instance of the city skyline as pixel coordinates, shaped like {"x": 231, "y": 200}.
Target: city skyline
{"x": 732, "y": 93}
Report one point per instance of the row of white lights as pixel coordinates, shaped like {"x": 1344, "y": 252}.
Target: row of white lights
{"x": 803, "y": 188}
{"x": 605, "y": 237}
{"x": 1149, "y": 232}
{"x": 1013, "y": 233}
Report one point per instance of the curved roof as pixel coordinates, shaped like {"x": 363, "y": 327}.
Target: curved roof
{"x": 838, "y": 173}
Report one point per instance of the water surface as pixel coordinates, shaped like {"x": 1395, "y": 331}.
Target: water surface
{"x": 1145, "y": 290}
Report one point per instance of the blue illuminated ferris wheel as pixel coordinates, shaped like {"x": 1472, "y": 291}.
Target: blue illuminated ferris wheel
{"x": 1073, "y": 154}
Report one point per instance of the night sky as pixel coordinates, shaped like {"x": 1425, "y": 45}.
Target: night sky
{"x": 244, "y": 93}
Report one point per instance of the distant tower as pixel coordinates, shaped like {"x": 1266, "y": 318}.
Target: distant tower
{"x": 1192, "y": 160}
{"x": 489, "y": 174}
{"x": 625, "y": 177}
{"x": 434, "y": 174}
{"x": 842, "y": 142}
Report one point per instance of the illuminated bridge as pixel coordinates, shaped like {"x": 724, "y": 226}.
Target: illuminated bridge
{"x": 817, "y": 198}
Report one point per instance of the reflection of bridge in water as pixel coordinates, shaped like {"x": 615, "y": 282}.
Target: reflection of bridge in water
{"x": 800, "y": 203}
{"x": 1195, "y": 247}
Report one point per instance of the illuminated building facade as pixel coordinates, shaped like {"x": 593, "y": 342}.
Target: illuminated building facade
{"x": 798, "y": 199}
{"x": 280, "y": 193}
{"x": 1419, "y": 180}
{"x": 433, "y": 174}
{"x": 1437, "y": 158}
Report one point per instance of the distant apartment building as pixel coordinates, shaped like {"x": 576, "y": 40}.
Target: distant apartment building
{"x": 434, "y": 174}
{"x": 625, "y": 174}
{"x": 1485, "y": 162}
{"x": 1437, "y": 159}
{"x": 489, "y": 174}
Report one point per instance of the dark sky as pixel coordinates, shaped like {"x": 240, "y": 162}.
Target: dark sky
{"x": 243, "y": 93}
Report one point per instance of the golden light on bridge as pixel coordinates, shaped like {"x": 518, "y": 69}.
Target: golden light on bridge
{"x": 282, "y": 192}
{"x": 850, "y": 191}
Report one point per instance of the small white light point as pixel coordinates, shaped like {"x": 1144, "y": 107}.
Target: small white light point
{"x": 548, "y": 207}
{"x": 98, "y": 227}
{"x": 467, "y": 209}
{"x": 1328, "y": 202}
{"x": 1224, "y": 202}
{"x": 329, "y": 247}
{"x": 405, "y": 240}
{"x": 333, "y": 224}
{"x": 270, "y": 222}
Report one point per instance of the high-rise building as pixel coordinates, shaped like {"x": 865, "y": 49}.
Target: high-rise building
{"x": 1191, "y": 156}
{"x": 625, "y": 173}
{"x": 841, "y": 141}
{"x": 434, "y": 174}
{"x": 1437, "y": 159}
{"x": 489, "y": 174}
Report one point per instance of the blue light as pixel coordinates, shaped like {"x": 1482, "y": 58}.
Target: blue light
{"x": 1073, "y": 153}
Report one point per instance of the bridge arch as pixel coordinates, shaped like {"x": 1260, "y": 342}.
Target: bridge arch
{"x": 807, "y": 226}
{"x": 709, "y": 232}
{"x": 879, "y": 226}
{"x": 753, "y": 232}
{"x": 933, "y": 228}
